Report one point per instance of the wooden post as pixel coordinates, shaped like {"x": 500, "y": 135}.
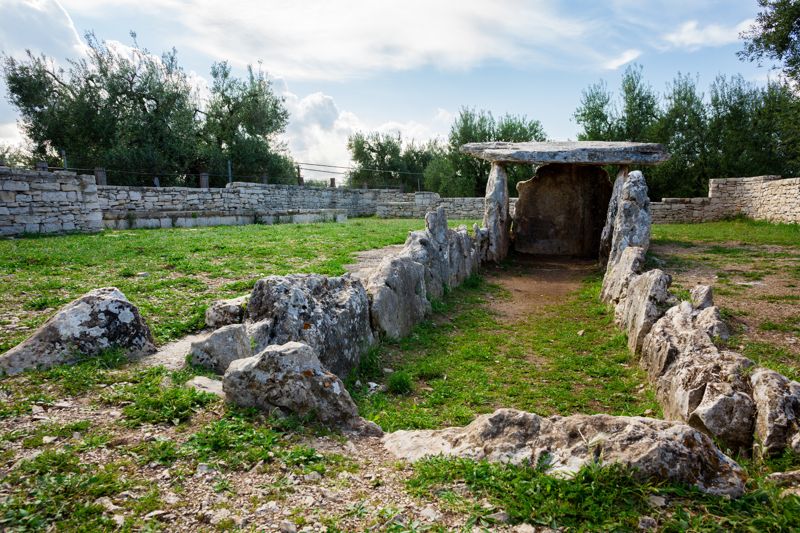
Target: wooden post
{"x": 204, "y": 180}
{"x": 100, "y": 176}
{"x": 230, "y": 172}
{"x": 265, "y": 179}
{"x": 299, "y": 177}
{"x": 333, "y": 183}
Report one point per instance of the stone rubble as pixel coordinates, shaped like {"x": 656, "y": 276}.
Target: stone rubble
{"x": 98, "y": 320}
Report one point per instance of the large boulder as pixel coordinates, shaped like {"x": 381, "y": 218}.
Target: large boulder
{"x": 221, "y": 347}
{"x": 290, "y": 378}
{"x": 619, "y": 275}
{"x": 398, "y": 298}
{"x": 496, "y": 218}
{"x": 632, "y": 219}
{"x": 330, "y": 314}
{"x": 646, "y": 299}
{"x": 655, "y": 449}
{"x": 99, "y": 320}
{"x": 224, "y": 312}
{"x": 777, "y": 401}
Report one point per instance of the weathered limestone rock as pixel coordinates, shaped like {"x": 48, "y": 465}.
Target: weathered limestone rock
{"x": 330, "y": 314}
{"x": 632, "y": 220}
{"x": 656, "y": 449}
{"x": 561, "y": 211}
{"x": 620, "y": 274}
{"x": 496, "y": 218}
{"x": 205, "y": 384}
{"x": 224, "y": 312}
{"x": 646, "y": 299}
{"x": 726, "y": 414}
{"x": 398, "y": 296}
{"x": 223, "y": 346}
{"x": 695, "y": 381}
{"x": 448, "y": 256}
{"x": 710, "y": 321}
{"x": 702, "y": 297}
{"x": 607, "y": 234}
{"x": 290, "y": 378}
{"x": 98, "y": 320}
{"x": 777, "y": 401}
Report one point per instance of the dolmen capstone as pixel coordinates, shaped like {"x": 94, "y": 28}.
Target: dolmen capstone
{"x": 99, "y": 320}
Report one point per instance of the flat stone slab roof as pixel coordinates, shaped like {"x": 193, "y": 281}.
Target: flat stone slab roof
{"x": 579, "y": 153}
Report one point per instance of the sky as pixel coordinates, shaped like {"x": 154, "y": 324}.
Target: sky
{"x": 409, "y": 66}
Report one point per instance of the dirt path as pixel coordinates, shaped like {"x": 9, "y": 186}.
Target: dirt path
{"x": 535, "y": 282}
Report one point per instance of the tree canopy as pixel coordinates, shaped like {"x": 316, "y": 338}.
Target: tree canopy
{"x": 138, "y": 115}
{"x": 740, "y": 129}
{"x": 775, "y": 36}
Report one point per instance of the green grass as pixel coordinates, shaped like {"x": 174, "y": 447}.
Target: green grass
{"x": 608, "y": 498}
{"x": 472, "y": 363}
{"x": 743, "y": 231}
{"x": 187, "y": 268}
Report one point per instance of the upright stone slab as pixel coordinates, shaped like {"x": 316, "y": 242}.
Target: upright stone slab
{"x": 608, "y": 230}
{"x": 632, "y": 220}
{"x": 496, "y": 218}
{"x": 562, "y": 210}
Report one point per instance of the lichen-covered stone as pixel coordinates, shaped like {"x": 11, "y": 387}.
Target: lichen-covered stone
{"x": 607, "y": 235}
{"x": 225, "y": 312}
{"x": 777, "y": 401}
{"x": 702, "y": 297}
{"x": 632, "y": 220}
{"x": 99, "y": 320}
{"x": 496, "y": 218}
{"x": 655, "y": 449}
{"x": 647, "y": 298}
{"x": 398, "y": 297}
{"x": 619, "y": 275}
{"x": 330, "y": 314}
{"x": 221, "y": 347}
{"x": 290, "y": 378}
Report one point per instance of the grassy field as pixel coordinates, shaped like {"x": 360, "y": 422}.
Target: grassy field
{"x": 74, "y": 438}
{"x": 172, "y": 274}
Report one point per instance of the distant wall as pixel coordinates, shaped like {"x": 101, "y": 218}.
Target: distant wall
{"x": 762, "y": 198}
{"x": 47, "y": 202}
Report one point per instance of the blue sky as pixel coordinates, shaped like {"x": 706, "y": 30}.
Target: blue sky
{"x": 352, "y": 65}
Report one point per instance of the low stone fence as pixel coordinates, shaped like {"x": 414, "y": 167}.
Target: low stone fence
{"x": 762, "y": 198}
{"x": 56, "y": 202}
{"x": 47, "y": 202}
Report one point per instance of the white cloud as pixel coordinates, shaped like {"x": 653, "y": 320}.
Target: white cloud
{"x": 10, "y": 134}
{"x": 319, "y": 39}
{"x": 318, "y": 130}
{"x": 690, "y": 35}
{"x": 624, "y": 58}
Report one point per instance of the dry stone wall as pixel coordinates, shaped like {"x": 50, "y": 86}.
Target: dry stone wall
{"x": 762, "y": 197}
{"x": 47, "y": 202}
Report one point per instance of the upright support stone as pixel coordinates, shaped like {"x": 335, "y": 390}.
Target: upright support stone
{"x": 608, "y": 230}
{"x": 204, "y": 180}
{"x": 495, "y": 216}
{"x": 333, "y": 183}
{"x": 100, "y": 176}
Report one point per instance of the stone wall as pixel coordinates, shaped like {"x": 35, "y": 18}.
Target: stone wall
{"x": 761, "y": 197}
{"x": 47, "y": 202}
{"x": 55, "y": 202}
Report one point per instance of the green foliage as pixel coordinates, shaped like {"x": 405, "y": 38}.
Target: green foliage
{"x": 595, "y": 499}
{"x": 153, "y": 398}
{"x": 57, "y": 487}
{"x": 235, "y": 441}
{"x": 739, "y": 130}
{"x": 384, "y": 160}
{"x": 775, "y": 35}
{"x": 85, "y": 374}
{"x": 135, "y": 111}
{"x": 399, "y": 383}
